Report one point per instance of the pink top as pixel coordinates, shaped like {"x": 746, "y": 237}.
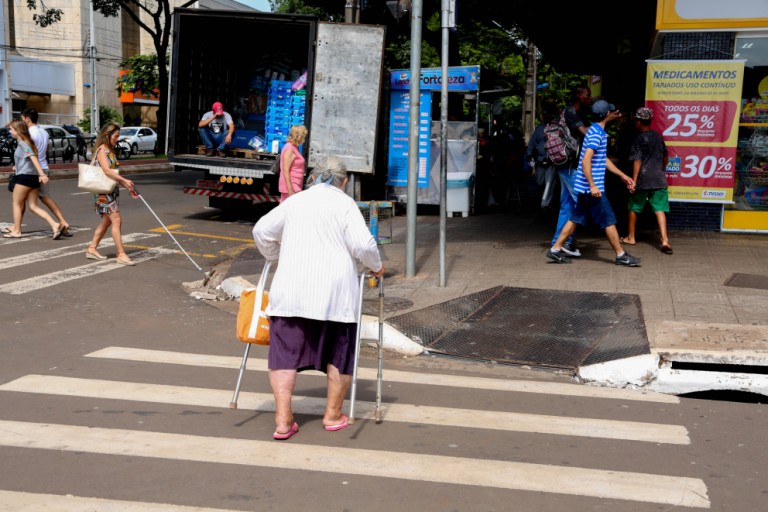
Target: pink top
{"x": 297, "y": 169}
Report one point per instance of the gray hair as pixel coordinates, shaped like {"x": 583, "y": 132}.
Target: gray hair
{"x": 332, "y": 170}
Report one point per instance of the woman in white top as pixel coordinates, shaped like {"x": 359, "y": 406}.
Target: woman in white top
{"x": 318, "y": 237}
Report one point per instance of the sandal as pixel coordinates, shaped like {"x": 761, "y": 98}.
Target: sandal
{"x": 65, "y": 231}
{"x": 11, "y": 234}
{"x": 91, "y": 254}
{"x": 666, "y": 249}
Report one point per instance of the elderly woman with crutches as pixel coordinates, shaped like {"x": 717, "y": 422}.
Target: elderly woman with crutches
{"x": 318, "y": 236}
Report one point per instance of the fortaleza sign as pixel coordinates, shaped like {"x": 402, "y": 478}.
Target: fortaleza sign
{"x": 460, "y": 79}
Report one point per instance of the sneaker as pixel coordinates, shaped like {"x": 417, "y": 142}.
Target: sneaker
{"x": 627, "y": 260}
{"x": 222, "y": 153}
{"x": 208, "y": 152}
{"x": 557, "y": 257}
{"x": 571, "y": 250}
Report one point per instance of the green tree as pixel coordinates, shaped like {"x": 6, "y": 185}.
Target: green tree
{"x": 106, "y": 115}
{"x": 141, "y": 75}
{"x": 158, "y": 27}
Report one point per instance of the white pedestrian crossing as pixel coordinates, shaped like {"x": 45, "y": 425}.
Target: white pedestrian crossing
{"x": 494, "y": 472}
{"x": 90, "y": 269}
{"x": 406, "y": 413}
{"x": 677, "y": 491}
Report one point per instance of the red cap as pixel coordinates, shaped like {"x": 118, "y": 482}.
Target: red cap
{"x": 217, "y": 107}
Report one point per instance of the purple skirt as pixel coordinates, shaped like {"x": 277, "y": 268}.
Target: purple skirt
{"x": 297, "y": 343}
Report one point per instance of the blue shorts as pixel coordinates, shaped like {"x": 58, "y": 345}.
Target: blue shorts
{"x": 598, "y": 208}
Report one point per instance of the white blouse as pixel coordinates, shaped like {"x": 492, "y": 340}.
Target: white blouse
{"x": 318, "y": 235}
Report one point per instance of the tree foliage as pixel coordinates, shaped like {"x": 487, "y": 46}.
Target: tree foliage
{"x": 141, "y": 75}
{"x": 107, "y": 114}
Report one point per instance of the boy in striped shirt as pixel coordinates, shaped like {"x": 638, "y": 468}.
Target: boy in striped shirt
{"x": 589, "y": 184}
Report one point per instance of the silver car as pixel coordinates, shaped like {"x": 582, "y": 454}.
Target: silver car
{"x": 139, "y": 138}
{"x": 62, "y": 145}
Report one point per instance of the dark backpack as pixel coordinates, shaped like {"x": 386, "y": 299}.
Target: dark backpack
{"x": 560, "y": 144}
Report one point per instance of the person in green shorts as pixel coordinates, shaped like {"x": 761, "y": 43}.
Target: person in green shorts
{"x": 650, "y": 158}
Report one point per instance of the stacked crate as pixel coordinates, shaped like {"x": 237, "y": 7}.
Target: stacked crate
{"x": 298, "y": 107}
{"x": 277, "y": 121}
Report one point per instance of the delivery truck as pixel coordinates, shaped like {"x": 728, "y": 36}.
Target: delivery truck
{"x": 271, "y": 71}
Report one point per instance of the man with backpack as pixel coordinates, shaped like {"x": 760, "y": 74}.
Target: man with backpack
{"x": 574, "y": 117}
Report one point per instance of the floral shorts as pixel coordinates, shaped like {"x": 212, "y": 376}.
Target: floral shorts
{"x": 106, "y": 203}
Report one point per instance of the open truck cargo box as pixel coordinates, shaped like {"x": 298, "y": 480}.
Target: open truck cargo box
{"x": 343, "y": 66}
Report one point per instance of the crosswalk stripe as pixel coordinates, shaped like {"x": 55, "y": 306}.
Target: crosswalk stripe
{"x": 29, "y": 502}
{"x": 27, "y": 259}
{"x": 414, "y": 414}
{"x": 522, "y": 386}
{"x": 670, "y": 490}
{"x": 62, "y": 276}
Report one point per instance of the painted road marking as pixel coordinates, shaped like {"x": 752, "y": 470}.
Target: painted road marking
{"x": 28, "y": 502}
{"x": 665, "y": 489}
{"x": 63, "y": 276}
{"x": 26, "y": 259}
{"x": 416, "y": 414}
{"x": 431, "y": 379}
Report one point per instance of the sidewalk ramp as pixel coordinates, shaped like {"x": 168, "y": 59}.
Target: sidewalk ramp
{"x": 527, "y": 326}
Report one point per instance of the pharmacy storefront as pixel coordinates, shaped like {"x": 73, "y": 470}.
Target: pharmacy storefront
{"x": 708, "y": 86}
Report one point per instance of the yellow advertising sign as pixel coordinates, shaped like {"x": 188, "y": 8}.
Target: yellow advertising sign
{"x": 711, "y": 14}
{"x": 695, "y": 107}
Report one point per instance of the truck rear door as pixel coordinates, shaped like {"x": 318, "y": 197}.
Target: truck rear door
{"x": 346, "y": 93}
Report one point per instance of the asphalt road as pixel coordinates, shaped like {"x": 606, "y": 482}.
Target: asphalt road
{"x": 115, "y": 386}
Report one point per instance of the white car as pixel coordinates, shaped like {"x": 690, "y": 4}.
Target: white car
{"x": 139, "y": 138}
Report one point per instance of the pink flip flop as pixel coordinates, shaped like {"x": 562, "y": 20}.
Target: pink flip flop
{"x": 282, "y": 436}
{"x": 333, "y": 428}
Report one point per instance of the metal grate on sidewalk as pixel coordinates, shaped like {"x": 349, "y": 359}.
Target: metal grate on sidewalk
{"x": 546, "y": 328}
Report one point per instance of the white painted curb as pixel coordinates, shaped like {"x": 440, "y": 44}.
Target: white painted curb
{"x": 393, "y": 340}
{"x": 631, "y": 371}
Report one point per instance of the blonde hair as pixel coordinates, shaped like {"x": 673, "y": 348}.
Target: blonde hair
{"x": 297, "y": 134}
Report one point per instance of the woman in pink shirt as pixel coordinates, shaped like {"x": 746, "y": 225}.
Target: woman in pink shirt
{"x": 292, "y": 163}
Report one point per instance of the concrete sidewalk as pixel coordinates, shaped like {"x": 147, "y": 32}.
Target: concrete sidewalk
{"x": 690, "y": 313}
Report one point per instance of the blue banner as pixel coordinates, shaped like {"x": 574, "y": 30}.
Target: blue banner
{"x": 399, "y": 114}
{"x": 460, "y": 79}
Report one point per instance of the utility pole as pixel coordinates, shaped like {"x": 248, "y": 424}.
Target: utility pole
{"x": 447, "y": 9}
{"x": 413, "y": 141}
{"x": 352, "y": 11}
{"x": 94, "y": 99}
{"x": 529, "y": 107}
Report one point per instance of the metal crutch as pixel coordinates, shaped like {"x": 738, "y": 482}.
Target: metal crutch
{"x": 244, "y": 361}
{"x": 377, "y": 412}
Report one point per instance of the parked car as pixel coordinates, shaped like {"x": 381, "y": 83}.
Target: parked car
{"x": 62, "y": 145}
{"x": 7, "y": 146}
{"x": 139, "y": 138}
{"x": 83, "y": 139}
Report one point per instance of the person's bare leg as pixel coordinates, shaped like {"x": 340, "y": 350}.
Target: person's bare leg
{"x": 35, "y": 208}
{"x": 283, "y": 382}
{"x": 117, "y": 235}
{"x": 20, "y": 193}
{"x": 661, "y": 218}
{"x": 98, "y": 234}
{"x": 54, "y": 207}
{"x": 338, "y": 385}
{"x": 613, "y": 238}
{"x": 567, "y": 231}
{"x": 631, "y": 224}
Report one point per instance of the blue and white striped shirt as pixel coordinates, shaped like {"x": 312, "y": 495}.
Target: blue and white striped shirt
{"x": 597, "y": 139}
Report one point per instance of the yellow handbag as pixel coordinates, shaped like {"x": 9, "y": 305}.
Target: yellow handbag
{"x": 252, "y": 321}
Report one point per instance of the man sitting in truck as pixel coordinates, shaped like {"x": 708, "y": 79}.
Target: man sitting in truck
{"x": 216, "y": 129}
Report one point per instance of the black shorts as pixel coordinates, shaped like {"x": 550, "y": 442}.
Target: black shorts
{"x": 28, "y": 180}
